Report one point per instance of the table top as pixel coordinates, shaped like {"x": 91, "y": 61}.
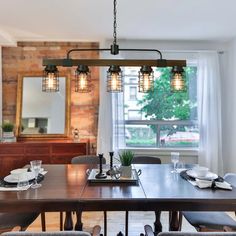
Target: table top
{"x": 65, "y": 187}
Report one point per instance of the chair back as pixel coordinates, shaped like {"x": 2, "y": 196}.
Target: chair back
{"x": 86, "y": 159}
{"x": 197, "y": 234}
{"x": 146, "y": 160}
{"x": 230, "y": 178}
{"x": 59, "y": 233}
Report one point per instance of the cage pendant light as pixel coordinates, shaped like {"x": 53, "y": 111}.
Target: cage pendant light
{"x": 177, "y": 80}
{"x": 82, "y": 79}
{"x": 50, "y": 82}
{"x": 114, "y": 79}
{"x": 114, "y": 74}
{"x": 146, "y": 79}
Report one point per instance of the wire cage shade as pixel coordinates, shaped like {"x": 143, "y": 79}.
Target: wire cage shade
{"x": 146, "y": 79}
{"x": 177, "y": 81}
{"x": 83, "y": 82}
{"x": 50, "y": 81}
{"x": 114, "y": 79}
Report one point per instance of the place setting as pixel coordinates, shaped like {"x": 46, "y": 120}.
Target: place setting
{"x": 201, "y": 177}
{"x": 22, "y": 179}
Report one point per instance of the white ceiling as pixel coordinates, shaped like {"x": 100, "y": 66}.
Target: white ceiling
{"x": 92, "y": 20}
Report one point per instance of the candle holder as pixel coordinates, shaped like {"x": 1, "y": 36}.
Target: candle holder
{"x": 111, "y": 163}
{"x": 100, "y": 174}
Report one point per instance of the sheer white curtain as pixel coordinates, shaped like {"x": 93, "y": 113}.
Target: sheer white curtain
{"x": 118, "y": 122}
{"x": 104, "y": 137}
{"x": 209, "y": 111}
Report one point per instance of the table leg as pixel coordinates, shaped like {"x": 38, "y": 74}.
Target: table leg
{"x": 126, "y": 223}
{"x": 175, "y": 221}
{"x": 68, "y": 225}
{"x": 79, "y": 224}
{"x": 157, "y": 223}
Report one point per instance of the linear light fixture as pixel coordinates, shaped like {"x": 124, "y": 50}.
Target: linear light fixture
{"x": 114, "y": 74}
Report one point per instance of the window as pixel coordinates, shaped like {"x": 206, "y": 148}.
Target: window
{"x": 160, "y": 118}
{"x": 133, "y": 93}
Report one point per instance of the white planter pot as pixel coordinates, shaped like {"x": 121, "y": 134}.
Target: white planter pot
{"x": 8, "y": 134}
{"x": 126, "y": 171}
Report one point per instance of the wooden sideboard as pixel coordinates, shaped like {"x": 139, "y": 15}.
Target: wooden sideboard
{"x": 16, "y": 155}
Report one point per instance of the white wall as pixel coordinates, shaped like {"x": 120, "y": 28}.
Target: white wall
{"x": 229, "y": 109}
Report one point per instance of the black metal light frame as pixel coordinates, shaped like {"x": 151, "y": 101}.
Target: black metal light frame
{"x": 114, "y": 50}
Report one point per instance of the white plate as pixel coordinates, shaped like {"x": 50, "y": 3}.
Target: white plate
{"x": 13, "y": 179}
{"x": 209, "y": 175}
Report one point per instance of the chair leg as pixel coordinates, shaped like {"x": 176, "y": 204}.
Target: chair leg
{"x": 23, "y": 228}
{"x": 126, "y": 223}
{"x": 61, "y": 221}
{"x": 105, "y": 223}
{"x": 43, "y": 221}
{"x": 175, "y": 220}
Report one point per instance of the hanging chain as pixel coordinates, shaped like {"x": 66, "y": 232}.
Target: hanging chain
{"x": 114, "y": 23}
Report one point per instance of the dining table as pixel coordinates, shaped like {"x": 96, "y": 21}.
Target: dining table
{"x": 66, "y": 188}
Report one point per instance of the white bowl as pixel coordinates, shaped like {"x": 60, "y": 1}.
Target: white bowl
{"x": 201, "y": 171}
{"x": 17, "y": 172}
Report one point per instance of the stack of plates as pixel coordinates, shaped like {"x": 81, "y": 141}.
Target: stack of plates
{"x": 208, "y": 176}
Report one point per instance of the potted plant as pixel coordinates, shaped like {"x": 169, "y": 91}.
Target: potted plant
{"x": 126, "y": 158}
{"x": 7, "y": 130}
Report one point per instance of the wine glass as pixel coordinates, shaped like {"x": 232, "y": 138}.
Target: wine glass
{"x": 174, "y": 160}
{"x": 35, "y": 168}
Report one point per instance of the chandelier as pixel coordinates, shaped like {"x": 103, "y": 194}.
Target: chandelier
{"x": 114, "y": 72}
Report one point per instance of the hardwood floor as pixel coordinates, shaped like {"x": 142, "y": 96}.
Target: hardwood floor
{"x": 116, "y": 222}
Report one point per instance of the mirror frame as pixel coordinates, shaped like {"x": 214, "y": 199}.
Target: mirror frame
{"x": 19, "y": 109}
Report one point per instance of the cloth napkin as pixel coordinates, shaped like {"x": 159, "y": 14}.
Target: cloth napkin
{"x": 5, "y": 186}
{"x": 214, "y": 184}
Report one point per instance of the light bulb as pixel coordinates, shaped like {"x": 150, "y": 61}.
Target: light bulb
{"x": 114, "y": 81}
{"x": 82, "y": 81}
{"x": 146, "y": 82}
{"x": 178, "y": 81}
{"x": 50, "y": 80}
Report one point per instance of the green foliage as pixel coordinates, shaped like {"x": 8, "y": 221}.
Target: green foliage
{"x": 163, "y": 104}
{"x": 126, "y": 157}
{"x": 7, "y": 126}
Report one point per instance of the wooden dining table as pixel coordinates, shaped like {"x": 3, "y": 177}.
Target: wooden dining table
{"x": 66, "y": 188}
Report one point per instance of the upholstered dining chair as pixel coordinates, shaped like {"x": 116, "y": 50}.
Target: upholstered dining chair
{"x": 145, "y": 160}
{"x": 149, "y": 232}
{"x": 212, "y": 221}
{"x": 90, "y": 160}
{"x": 96, "y": 232}
{"x": 8, "y": 221}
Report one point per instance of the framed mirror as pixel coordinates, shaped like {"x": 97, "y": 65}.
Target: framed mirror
{"x": 42, "y": 114}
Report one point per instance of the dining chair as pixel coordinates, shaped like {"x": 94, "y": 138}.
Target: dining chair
{"x": 212, "y": 221}
{"x": 145, "y": 160}
{"x": 149, "y": 232}
{"x": 89, "y": 160}
{"x": 8, "y": 221}
{"x": 95, "y": 232}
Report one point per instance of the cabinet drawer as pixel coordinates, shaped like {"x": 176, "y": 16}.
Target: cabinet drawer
{"x": 37, "y": 150}
{"x": 61, "y": 159}
{"x": 11, "y": 149}
{"x": 69, "y": 148}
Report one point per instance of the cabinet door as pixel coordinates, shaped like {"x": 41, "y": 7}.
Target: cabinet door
{"x": 11, "y": 157}
{"x": 8, "y": 163}
{"x": 38, "y": 152}
{"x": 63, "y": 153}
